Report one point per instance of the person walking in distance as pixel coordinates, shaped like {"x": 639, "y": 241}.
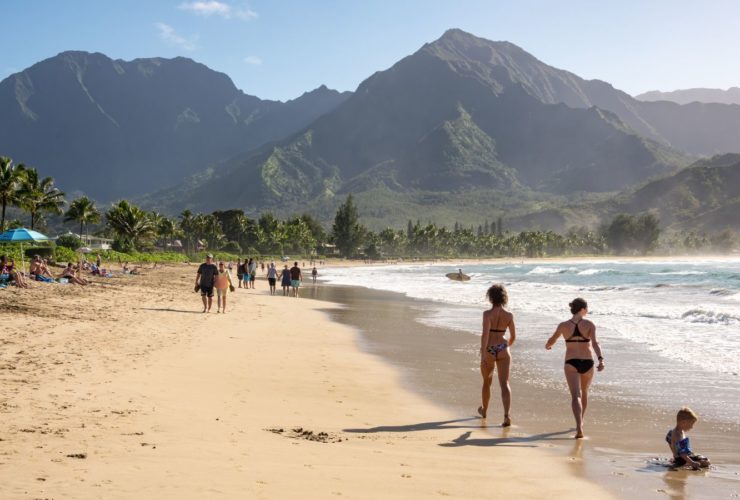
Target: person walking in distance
{"x": 271, "y": 277}
{"x": 285, "y": 280}
{"x": 295, "y": 278}
{"x": 205, "y": 279}
{"x": 223, "y": 286}
{"x": 252, "y": 272}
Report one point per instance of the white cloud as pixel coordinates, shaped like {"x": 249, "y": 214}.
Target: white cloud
{"x": 169, "y": 35}
{"x": 246, "y": 14}
{"x": 253, "y": 60}
{"x": 209, "y": 8}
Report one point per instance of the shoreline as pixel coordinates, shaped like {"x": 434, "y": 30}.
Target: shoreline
{"x": 624, "y": 441}
{"x": 114, "y": 391}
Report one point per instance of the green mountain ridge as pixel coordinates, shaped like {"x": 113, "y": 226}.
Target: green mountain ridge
{"x": 438, "y": 121}
{"x": 113, "y": 128}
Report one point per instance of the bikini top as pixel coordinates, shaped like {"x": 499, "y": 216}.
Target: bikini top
{"x": 577, "y": 333}
{"x": 497, "y": 331}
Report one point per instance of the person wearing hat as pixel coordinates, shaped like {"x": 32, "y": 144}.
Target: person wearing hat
{"x": 205, "y": 279}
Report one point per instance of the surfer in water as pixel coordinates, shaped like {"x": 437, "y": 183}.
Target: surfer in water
{"x": 494, "y": 350}
{"x": 460, "y": 274}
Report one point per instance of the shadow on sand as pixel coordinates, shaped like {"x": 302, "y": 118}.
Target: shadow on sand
{"x": 464, "y": 439}
{"x": 424, "y": 426}
{"x": 519, "y": 441}
{"x": 169, "y": 309}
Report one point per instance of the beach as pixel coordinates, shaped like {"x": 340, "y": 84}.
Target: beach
{"x": 658, "y": 357}
{"x": 125, "y": 389}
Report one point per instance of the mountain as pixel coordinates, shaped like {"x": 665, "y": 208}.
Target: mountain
{"x": 460, "y": 115}
{"x": 687, "y": 96}
{"x": 705, "y": 197}
{"x": 114, "y": 128}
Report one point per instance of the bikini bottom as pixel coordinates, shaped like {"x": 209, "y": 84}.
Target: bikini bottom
{"x": 581, "y": 365}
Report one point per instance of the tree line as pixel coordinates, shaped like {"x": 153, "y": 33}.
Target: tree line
{"x": 134, "y": 229}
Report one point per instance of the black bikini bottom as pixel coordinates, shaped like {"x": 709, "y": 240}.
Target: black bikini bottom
{"x": 581, "y": 365}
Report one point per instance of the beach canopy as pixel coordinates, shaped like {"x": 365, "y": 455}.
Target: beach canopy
{"x": 84, "y": 249}
{"x": 22, "y": 234}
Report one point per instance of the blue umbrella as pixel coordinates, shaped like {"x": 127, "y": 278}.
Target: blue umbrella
{"x": 20, "y": 235}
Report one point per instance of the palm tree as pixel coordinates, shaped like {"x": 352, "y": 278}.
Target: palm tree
{"x": 82, "y": 210}
{"x": 38, "y": 196}
{"x": 11, "y": 177}
{"x": 167, "y": 228}
{"x": 187, "y": 225}
{"x": 129, "y": 222}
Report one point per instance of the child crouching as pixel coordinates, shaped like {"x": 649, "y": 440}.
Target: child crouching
{"x": 679, "y": 442}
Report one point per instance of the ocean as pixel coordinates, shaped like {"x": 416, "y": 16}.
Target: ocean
{"x": 669, "y": 330}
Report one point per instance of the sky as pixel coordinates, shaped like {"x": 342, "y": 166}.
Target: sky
{"x": 278, "y": 49}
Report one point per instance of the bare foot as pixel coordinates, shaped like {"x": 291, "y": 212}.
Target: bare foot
{"x": 481, "y": 412}
{"x": 579, "y": 435}
{"x": 507, "y": 421}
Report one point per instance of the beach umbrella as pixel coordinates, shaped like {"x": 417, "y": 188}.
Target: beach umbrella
{"x": 21, "y": 235}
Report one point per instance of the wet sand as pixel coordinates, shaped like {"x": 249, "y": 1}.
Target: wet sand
{"x": 624, "y": 450}
{"x": 125, "y": 390}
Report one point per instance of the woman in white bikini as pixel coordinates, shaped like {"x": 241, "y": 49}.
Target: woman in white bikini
{"x": 494, "y": 350}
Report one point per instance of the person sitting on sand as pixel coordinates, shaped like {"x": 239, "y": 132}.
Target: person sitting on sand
{"x": 223, "y": 284}
{"x": 679, "y": 442}
{"x": 38, "y": 270}
{"x": 204, "y": 280}
{"x": 71, "y": 275}
{"x": 494, "y": 350}
{"x": 8, "y": 271}
{"x": 580, "y": 343}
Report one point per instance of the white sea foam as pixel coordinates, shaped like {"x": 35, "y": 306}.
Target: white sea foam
{"x": 677, "y": 273}
{"x": 686, "y": 321}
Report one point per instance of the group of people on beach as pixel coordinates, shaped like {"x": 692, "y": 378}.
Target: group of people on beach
{"x": 581, "y": 344}
{"x": 211, "y": 277}
{"x": 40, "y": 270}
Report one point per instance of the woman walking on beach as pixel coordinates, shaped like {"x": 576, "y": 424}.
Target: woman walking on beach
{"x": 580, "y": 343}
{"x": 285, "y": 280}
{"x": 494, "y": 350}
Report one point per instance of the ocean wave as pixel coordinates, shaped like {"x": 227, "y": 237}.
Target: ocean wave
{"x": 710, "y": 317}
{"x": 552, "y": 270}
{"x": 677, "y": 273}
{"x": 590, "y": 272}
{"x": 720, "y": 292}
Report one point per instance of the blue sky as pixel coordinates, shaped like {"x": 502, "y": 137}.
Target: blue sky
{"x": 278, "y": 49}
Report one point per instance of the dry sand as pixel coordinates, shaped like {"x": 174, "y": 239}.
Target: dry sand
{"x": 124, "y": 389}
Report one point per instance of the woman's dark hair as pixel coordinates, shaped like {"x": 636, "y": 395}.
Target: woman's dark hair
{"x": 577, "y": 305}
{"x": 497, "y": 295}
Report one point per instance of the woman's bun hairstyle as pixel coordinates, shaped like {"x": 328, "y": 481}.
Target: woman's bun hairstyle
{"x": 577, "y": 305}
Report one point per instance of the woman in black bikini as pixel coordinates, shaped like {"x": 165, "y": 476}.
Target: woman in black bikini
{"x": 580, "y": 339}
{"x": 494, "y": 350}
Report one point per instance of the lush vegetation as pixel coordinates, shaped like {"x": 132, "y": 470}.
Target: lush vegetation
{"x": 143, "y": 236}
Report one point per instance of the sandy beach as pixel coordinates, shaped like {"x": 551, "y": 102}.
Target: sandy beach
{"x": 124, "y": 389}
